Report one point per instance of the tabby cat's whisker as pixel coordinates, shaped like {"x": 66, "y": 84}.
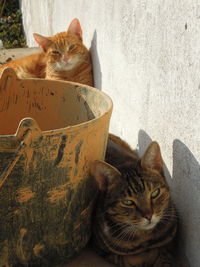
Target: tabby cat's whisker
{"x": 168, "y": 219}
{"x": 122, "y": 227}
{"x": 171, "y": 215}
{"x": 120, "y": 237}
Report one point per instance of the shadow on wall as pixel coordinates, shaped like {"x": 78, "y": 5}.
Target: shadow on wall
{"x": 96, "y": 63}
{"x": 185, "y": 190}
{"x": 186, "y": 195}
{"x": 143, "y": 141}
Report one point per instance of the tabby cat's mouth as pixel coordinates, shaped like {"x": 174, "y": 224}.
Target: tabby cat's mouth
{"x": 148, "y": 225}
{"x": 63, "y": 66}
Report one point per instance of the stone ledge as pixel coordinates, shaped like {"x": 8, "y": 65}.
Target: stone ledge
{"x": 14, "y": 53}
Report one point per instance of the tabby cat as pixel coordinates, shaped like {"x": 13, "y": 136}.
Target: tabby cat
{"x": 135, "y": 219}
{"x": 64, "y": 57}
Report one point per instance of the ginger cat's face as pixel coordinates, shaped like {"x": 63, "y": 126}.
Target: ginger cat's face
{"x": 64, "y": 50}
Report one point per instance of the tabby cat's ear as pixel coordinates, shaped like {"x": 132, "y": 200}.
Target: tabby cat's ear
{"x": 75, "y": 27}
{"x": 105, "y": 174}
{"x": 43, "y": 41}
{"x": 152, "y": 158}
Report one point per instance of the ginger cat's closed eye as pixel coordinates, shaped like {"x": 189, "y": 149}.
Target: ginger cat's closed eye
{"x": 64, "y": 57}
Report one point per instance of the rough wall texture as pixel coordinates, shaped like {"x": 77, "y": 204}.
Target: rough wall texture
{"x": 146, "y": 56}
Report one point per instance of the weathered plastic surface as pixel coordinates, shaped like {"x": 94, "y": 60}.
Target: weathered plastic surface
{"x": 50, "y": 131}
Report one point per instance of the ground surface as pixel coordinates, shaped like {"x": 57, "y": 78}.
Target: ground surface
{"x": 11, "y": 54}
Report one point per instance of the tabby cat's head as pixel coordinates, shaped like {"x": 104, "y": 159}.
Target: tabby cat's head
{"x": 137, "y": 196}
{"x": 64, "y": 50}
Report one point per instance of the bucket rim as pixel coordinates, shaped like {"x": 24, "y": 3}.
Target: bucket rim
{"x": 70, "y": 127}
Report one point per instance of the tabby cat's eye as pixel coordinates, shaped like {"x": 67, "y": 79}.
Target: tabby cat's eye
{"x": 128, "y": 202}
{"x": 55, "y": 52}
{"x": 155, "y": 193}
{"x": 72, "y": 47}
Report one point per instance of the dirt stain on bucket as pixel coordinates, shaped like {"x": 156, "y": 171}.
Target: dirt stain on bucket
{"x": 61, "y": 150}
{"x": 58, "y": 193}
{"x": 78, "y": 150}
{"x": 24, "y": 194}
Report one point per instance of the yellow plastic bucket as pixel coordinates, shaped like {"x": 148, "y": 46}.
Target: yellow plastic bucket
{"x": 50, "y": 132}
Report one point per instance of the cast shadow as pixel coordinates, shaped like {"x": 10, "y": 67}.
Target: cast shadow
{"x": 143, "y": 141}
{"x": 185, "y": 191}
{"x": 97, "y": 74}
{"x": 186, "y": 196}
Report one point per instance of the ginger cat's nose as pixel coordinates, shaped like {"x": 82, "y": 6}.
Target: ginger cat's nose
{"x": 66, "y": 58}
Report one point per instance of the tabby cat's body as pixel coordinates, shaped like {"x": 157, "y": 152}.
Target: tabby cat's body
{"x": 135, "y": 220}
{"x": 64, "y": 57}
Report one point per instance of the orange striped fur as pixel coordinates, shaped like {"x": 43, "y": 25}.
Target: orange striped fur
{"x": 64, "y": 57}
{"x": 135, "y": 219}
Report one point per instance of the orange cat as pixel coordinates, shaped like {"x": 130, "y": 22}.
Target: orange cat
{"x": 64, "y": 57}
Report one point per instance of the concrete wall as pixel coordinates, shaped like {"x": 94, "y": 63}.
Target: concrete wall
{"x": 146, "y": 56}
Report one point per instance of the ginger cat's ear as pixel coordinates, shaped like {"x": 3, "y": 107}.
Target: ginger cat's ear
{"x": 43, "y": 41}
{"x": 152, "y": 158}
{"x": 75, "y": 27}
{"x": 104, "y": 174}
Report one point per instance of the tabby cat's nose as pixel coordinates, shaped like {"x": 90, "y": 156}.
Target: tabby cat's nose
{"x": 148, "y": 216}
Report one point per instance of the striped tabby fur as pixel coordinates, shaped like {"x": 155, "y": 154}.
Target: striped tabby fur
{"x": 135, "y": 220}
